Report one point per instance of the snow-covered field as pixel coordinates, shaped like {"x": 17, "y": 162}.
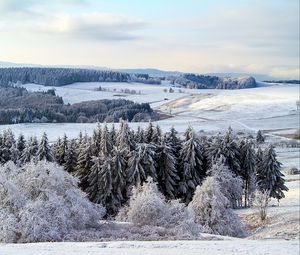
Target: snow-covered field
{"x": 265, "y": 107}
{"x": 253, "y": 247}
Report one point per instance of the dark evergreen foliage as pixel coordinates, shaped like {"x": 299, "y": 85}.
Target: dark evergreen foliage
{"x": 110, "y": 162}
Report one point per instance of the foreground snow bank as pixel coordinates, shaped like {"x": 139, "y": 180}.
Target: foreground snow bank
{"x": 239, "y": 246}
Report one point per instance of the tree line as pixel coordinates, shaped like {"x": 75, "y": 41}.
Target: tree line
{"x": 110, "y": 162}
{"x": 18, "y": 105}
{"x": 64, "y": 76}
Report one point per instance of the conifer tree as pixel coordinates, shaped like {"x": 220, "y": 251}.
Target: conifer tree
{"x": 21, "y": 143}
{"x": 225, "y": 147}
{"x": 269, "y": 176}
{"x": 260, "y": 137}
{"x": 71, "y": 157}
{"x": 140, "y": 165}
{"x": 96, "y": 140}
{"x": 166, "y": 170}
{"x": 61, "y": 150}
{"x": 173, "y": 141}
{"x": 124, "y": 137}
{"x": 149, "y": 133}
{"x": 192, "y": 170}
{"x": 247, "y": 161}
{"x": 84, "y": 163}
{"x": 156, "y": 135}
{"x": 105, "y": 143}
{"x": 139, "y": 135}
{"x": 44, "y": 151}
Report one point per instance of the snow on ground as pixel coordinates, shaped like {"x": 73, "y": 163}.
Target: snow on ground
{"x": 269, "y": 107}
{"x": 241, "y": 246}
{"x": 266, "y": 107}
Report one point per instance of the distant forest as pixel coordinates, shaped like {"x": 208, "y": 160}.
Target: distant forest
{"x": 285, "y": 81}
{"x": 17, "y": 105}
{"x": 65, "y": 76}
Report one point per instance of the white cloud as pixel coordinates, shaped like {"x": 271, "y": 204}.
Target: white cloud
{"x": 97, "y": 26}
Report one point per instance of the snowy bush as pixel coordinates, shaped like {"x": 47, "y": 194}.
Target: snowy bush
{"x": 261, "y": 202}
{"x": 148, "y": 207}
{"x": 231, "y": 184}
{"x": 293, "y": 171}
{"x": 42, "y": 202}
{"x": 213, "y": 212}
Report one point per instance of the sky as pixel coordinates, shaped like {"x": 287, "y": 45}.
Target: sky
{"x": 201, "y": 36}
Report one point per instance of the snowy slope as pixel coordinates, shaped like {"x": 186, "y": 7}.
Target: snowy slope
{"x": 268, "y": 107}
{"x": 274, "y": 247}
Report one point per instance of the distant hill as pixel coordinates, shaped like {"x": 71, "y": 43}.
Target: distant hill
{"x": 195, "y": 81}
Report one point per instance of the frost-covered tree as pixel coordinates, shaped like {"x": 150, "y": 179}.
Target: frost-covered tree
{"x": 61, "y": 150}
{"x": 212, "y": 210}
{"x": 29, "y": 153}
{"x": 70, "y": 157}
{"x": 156, "y": 135}
{"x": 124, "y": 137}
{"x": 141, "y": 164}
{"x": 247, "y": 170}
{"x": 261, "y": 202}
{"x": 167, "y": 171}
{"x": 172, "y": 140}
{"x": 139, "y": 135}
{"x": 119, "y": 165}
{"x": 230, "y": 184}
{"x": 149, "y": 132}
{"x": 105, "y": 143}
{"x": 260, "y": 137}
{"x": 113, "y": 134}
{"x": 21, "y": 143}
{"x": 96, "y": 140}
{"x": 225, "y": 147}
{"x": 42, "y": 203}
{"x": 7, "y": 141}
{"x": 191, "y": 168}
{"x": 44, "y": 151}
{"x": 269, "y": 176}
{"x": 148, "y": 207}
{"x": 84, "y": 164}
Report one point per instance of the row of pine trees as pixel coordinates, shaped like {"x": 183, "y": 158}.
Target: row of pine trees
{"x": 110, "y": 162}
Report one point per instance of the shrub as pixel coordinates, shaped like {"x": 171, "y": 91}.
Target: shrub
{"x": 261, "y": 201}
{"x": 148, "y": 207}
{"x": 212, "y": 210}
{"x": 42, "y": 202}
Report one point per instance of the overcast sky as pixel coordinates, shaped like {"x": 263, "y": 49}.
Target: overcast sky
{"x": 257, "y": 36}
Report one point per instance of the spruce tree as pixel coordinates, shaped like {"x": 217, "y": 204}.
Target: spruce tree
{"x": 124, "y": 137}
{"x": 260, "y": 137}
{"x": 44, "y": 151}
{"x": 84, "y": 163}
{"x": 156, "y": 135}
{"x": 149, "y": 133}
{"x": 191, "y": 166}
{"x": 105, "y": 143}
{"x": 140, "y": 165}
{"x": 225, "y": 147}
{"x": 166, "y": 170}
{"x": 70, "y": 157}
{"x": 269, "y": 176}
{"x": 21, "y": 143}
{"x": 172, "y": 140}
{"x": 96, "y": 140}
{"x": 139, "y": 135}
{"x": 247, "y": 170}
